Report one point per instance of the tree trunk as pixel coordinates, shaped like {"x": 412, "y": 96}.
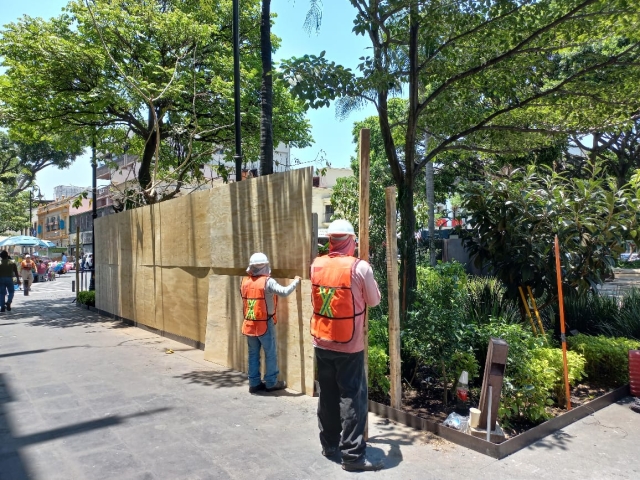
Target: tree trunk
{"x": 431, "y": 205}
{"x": 266, "y": 93}
{"x": 407, "y": 245}
{"x": 144, "y": 172}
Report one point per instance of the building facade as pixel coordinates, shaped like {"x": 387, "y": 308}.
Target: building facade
{"x": 321, "y": 196}
{"x": 53, "y": 222}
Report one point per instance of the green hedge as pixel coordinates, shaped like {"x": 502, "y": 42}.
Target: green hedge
{"x": 87, "y": 298}
{"x": 607, "y": 358}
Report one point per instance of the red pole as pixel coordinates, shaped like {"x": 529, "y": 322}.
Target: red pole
{"x": 563, "y": 337}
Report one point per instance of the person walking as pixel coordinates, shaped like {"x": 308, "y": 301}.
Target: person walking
{"x": 259, "y": 301}
{"x": 342, "y": 288}
{"x": 8, "y": 270}
{"x": 26, "y": 271}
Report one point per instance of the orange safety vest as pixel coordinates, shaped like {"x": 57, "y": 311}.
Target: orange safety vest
{"x": 334, "y": 310}
{"x": 254, "y": 306}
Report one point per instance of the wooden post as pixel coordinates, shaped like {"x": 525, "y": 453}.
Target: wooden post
{"x": 77, "y": 263}
{"x": 363, "y": 236}
{"x": 494, "y": 368}
{"x": 394, "y": 298}
{"x": 563, "y": 337}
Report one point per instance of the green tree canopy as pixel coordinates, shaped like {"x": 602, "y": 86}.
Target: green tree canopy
{"x": 153, "y": 78}
{"x": 497, "y": 76}
{"x": 515, "y": 215}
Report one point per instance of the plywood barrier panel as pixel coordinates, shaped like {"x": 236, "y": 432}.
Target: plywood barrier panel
{"x": 184, "y": 301}
{"x": 186, "y": 231}
{"x": 271, "y": 214}
{"x": 226, "y": 346}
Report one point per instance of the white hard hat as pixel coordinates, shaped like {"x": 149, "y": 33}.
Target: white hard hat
{"x": 340, "y": 227}
{"x": 258, "y": 259}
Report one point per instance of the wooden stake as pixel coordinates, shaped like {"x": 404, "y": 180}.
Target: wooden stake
{"x": 563, "y": 337}
{"x": 526, "y": 307}
{"x": 77, "y": 262}
{"x": 363, "y": 237}
{"x": 394, "y": 299}
{"x": 535, "y": 309}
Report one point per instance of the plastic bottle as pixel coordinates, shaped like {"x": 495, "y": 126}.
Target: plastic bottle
{"x": 462, "y": 394}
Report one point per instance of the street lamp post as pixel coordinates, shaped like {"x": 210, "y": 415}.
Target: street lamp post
{"x": 94, "y": 215}
{"x": 236, "y": 87}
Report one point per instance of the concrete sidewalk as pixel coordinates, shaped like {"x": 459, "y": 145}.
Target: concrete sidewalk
{"x": 85, "y": 397}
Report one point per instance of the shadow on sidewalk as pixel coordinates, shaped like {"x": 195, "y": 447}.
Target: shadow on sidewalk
{"x": 60, "y": 313}
{"x": 215, "y": 378}
{"x": 12, "y": 461}
{"x": 41, "y": 350}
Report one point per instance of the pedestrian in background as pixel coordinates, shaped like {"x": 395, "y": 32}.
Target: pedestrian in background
{"x": 342, "y": 288}
{"x": 26, "y": 271}
{"x": 259, "y": 301}
{"x": 8, "y": 269}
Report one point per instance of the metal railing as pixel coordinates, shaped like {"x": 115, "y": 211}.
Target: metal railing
{"x": 84, "y": 280}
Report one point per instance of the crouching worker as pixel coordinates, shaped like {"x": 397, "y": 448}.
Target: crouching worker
{"x": 342, "y": 287}
{"x": 259, "y": 303}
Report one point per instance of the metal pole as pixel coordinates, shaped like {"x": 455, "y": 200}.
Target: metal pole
{"x": 489, "y": 414}
{"x": 94, "y": 215}
{"x": 236, "y": 87}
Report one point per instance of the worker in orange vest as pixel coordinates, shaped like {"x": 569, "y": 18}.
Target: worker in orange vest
{"x": 26, "y": 267}
{"x": 342, "y": 288}
{"x": 259, "y": 300}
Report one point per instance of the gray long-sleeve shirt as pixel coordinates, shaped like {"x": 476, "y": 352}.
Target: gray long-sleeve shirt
{"x": 274, "y": 288}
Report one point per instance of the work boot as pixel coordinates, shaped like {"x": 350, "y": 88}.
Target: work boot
{"x": 330, "y": 451}
{"x": 363, "y": 465}
{"x": 280, "y": 385}
{"x": 8, "y": 307}
{"x": 257, "y": 388}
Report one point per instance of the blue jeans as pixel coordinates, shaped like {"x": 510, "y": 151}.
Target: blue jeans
{"x": 6, "y": 286}
{"x": 268, "y": 343}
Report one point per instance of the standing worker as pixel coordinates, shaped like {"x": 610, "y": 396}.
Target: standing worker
{"x": 8, "y": 269}
{"x": 342, "y": 288}
{"x": 26, "y": 267}
{"x": 259, "y": 303}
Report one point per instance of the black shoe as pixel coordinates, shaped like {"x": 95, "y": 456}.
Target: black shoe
{"x": 281, "y": 385}
{"x": 2, "y": 309}
{"x": 330, "y": 451}
{"x": 257, "y": 388}
{"x": 8, "y": 307}
{"x": 364, "y": 465}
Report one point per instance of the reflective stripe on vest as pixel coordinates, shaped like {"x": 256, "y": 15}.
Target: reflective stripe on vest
{"x": 254, "y": 306}
{"x": 334, "y": 311}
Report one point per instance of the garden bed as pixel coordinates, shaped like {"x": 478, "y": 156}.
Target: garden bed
{"x": 429, "y": 405}
{"x": 516, "y": 442}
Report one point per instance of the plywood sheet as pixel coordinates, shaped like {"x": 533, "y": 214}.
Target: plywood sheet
{"x": 226, "y": 346}
{"x": 184, "y": 301}
{"x": 270, "y": 214}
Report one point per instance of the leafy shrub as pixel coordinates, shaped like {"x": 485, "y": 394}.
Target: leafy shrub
{"x": 378, "y": 370}
{"x": 435, "y": 330}
{"x": 486, "y": 299}
{"x": 549, "y": 362}
{"x": 590, "y": 313}
{"x": 627, "y": 321}
{"x": 526, "y": 389}
{"x": 87, "y": 298}
{"x": 607, "y": 358}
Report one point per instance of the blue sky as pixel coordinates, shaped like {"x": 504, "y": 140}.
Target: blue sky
{"x": 331, "y": 135}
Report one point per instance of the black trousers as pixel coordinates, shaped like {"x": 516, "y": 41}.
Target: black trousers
{"x": 343, "y": 405}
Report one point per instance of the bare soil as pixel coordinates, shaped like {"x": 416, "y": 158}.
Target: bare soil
{"x": 428, "y": 403}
